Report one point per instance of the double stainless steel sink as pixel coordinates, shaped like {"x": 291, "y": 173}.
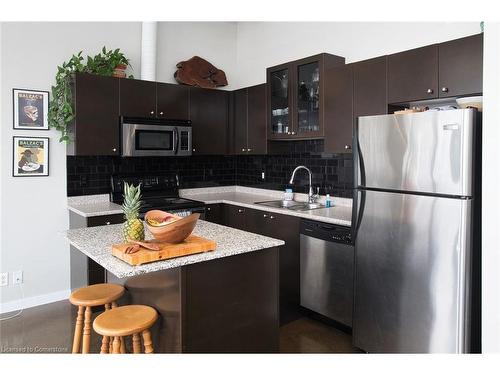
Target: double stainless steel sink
{"x": 292, "y": 205}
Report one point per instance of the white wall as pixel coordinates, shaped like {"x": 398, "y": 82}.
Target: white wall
{"x": 264, "y": 44}
{"x": 214, "y": 41}
{"x": 34, "y": 209}
{"x": 491, "y": 182}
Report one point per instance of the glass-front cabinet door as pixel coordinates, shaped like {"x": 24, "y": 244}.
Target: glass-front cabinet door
{"x": 307, "y": 99}
{"x": 280, "y": 102}
{"x": 296, "y": 102}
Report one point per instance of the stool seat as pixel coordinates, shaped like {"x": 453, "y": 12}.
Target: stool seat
{"x": 125, "y": 320}
{"x": 96, "y": 295}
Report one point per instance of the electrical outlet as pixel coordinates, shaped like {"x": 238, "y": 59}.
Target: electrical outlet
{"x": 17, "y": 277}
{"x": 4, "y": 279}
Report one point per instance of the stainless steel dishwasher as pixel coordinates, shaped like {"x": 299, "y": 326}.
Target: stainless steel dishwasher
{"x": 327, "y": 270}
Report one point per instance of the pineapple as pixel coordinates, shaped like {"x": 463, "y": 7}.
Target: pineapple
{"x": 133, "y": 229}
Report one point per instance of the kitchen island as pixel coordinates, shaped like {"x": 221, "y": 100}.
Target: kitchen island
{"x": 226, "y": 300}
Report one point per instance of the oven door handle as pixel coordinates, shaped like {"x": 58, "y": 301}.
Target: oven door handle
{"x": 176, "y": 140}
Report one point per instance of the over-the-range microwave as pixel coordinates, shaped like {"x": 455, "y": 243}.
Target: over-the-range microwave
{"x": 155, "y": 137}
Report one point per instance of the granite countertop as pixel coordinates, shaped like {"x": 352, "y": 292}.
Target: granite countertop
{"x": 93, "y": 205}
{"x": 340, "y": 213}
{"x": 95, "y": 242}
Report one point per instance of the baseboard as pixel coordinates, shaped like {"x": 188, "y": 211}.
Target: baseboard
{"x": 28, "y": 302}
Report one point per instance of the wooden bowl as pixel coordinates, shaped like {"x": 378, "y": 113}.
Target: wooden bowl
{"x": 174, "y": 232}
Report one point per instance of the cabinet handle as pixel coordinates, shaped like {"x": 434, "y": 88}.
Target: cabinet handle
{"x": 240, "y": 211}
{"x": 347, "y": 147}
{"x": 208, "y": 208}
{"x": 249, "y": 149}
{"x": 161, "y": 113}
{"x": 194, "y": 149}
{"x": 271, "y": 217}
{"x": 152, "y": 112}
{"x": 108, "y": 222}
{"x": 444, "y": 89}
{"x": 243, "y": 149}
{"x": 293, "y": 133}
{"x": 289, "y": 133}
{"x": 430, "y": 91}
{"x": 114, "y": 150}
{"x": 264, "y": 216}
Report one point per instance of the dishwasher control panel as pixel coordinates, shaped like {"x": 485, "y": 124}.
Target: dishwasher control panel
{"x": 326, "y": 231}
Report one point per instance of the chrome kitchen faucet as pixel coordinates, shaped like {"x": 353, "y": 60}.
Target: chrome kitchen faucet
{"x": 312, "y": 197}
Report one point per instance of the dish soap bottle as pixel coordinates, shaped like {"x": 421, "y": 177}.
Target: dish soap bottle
{"x": 328, "y": 201}
{"x": 288, "y": 195}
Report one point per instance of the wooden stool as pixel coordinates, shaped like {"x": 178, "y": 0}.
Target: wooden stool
{"x": 124, "y": 321}
{"x": 86, "y": 298}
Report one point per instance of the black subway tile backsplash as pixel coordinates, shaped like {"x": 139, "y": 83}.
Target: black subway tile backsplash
{"x": 332, "y": 173}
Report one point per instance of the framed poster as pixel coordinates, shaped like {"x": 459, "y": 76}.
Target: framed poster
{"x": 31, "y": 109}
{"x": 31, "y": 156}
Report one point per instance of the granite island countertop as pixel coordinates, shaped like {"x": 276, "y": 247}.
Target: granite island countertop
{"x": 95, "y": 242}
{"x": 340, "y": 213}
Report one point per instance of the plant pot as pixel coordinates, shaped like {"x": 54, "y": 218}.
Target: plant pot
{"x": 119, "y": 71}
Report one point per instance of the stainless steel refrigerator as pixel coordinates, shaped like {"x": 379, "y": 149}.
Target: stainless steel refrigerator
{"x": 413, "y": 221}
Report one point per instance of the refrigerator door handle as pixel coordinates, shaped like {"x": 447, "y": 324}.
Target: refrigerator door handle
{"x": 359, "y": 213}
{"x": 361, "y": 162}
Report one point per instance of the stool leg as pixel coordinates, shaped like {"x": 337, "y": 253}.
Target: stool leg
{"x": 148, "y": 344}
{"x": 136, "y": 341}
{"x": 122, "y": 345}
{"x": 105, "y": 346}
{"x": 116, "y": 345}
{"x": 78, "y": 330}
{"x": 87, "y": 329}
{"x": 112, "y": 305}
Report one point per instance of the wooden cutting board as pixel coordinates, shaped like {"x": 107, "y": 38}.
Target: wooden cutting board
{"x": 191, "y": 245}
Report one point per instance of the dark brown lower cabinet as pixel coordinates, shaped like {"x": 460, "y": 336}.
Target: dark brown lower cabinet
{"x": 83, "y": 270}
{"x": 231, "y": 304}
{"x": 234, "y": 216}
{"x": 283, "y": 227}
{"x": 214, "y": 213}
{"x": 226, "y": 305}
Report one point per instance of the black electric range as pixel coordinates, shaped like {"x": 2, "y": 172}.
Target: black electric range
{"x": 159, "y": 192}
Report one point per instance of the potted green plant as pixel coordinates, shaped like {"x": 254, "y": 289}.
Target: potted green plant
{"x": 106, "y": 63}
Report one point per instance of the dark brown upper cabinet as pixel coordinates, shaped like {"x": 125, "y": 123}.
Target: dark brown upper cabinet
{"x": 208, "y": 112}
{"x": 413, "y": 75}
{"x": 461, "y": 66}
{"x": 172, "y": 101}
{"x": 296, "y": 97}
{"x": 370, "y": 87}
{"x": 238, "y": 110}
{"x": 95, "y": 130}
{"x": 137, "y": 98}
{"x": 153, "y": 99}
{"x": 249, "y": 120}
{"x": 338, "y": 109}
{"x": 448, "y": 69}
